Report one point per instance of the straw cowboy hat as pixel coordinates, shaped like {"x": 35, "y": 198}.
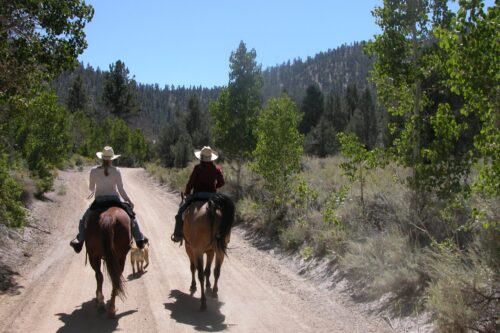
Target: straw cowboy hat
{"x": 206, "y": 154}
{"x": 107, "y": 154}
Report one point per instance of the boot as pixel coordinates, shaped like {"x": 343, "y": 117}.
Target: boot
{"x": 139, "y": 238}
{"x": 177, "y": 235}
{"x": 76, "y": 245}
{"x": 142, "y": 242}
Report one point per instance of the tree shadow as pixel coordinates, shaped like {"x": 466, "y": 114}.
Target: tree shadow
{"x": 8, "y": 283}
{"x": 185, "y": 309}
{"x": 88, "y": 318}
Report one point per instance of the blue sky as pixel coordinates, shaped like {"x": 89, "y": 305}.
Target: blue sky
{"x": 188, "y": 42}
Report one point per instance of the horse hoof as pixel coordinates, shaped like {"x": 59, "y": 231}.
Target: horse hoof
{"x": 215, "y": 295}
{"x": 111, "y": 315}
{"x": 192, "y": 289}
{"x": 203, "y": 307}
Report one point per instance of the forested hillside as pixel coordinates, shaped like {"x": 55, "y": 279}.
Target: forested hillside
{"x": 332, "y": 72}
{"x": 156, "y": 105}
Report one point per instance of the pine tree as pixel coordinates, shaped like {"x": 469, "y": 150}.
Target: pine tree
{"x": 312, "y": 108}
{"x": 77, "y": 96}
{"x": 368, "y": 133}
{"x": 236, "y": 110}
{"x": 118, "y": 95}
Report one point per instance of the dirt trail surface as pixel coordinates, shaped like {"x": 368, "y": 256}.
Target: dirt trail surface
{"x": 55, "y": 291}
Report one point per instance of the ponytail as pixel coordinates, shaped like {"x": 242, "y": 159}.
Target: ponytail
{"x": 106, "y": 164}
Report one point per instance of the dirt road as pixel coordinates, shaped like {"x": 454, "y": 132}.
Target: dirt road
{"x": 257, "y": 293}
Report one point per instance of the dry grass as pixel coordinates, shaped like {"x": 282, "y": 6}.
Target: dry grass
{"x": 464, "y": 292}
{"x": 384, "y": 252}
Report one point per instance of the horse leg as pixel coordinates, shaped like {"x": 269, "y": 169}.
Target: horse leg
{"x": 114, "y": 292}
{"x": 96, "y": 265}
{"x": 132, "y": 263}
{"x": 111, "y": 305}
{"x": 201, "y": 276}
{"x": 192, "y": 267}
{"x": 218, "y": 264}
{"x": 208, "y": 267}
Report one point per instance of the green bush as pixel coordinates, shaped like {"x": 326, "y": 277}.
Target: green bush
{"x": 12, "y": 212}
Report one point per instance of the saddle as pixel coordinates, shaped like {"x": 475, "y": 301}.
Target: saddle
{"x": 103, "y": 205}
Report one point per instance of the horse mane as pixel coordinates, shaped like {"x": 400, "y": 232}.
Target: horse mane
{"x": 226, "y": 206}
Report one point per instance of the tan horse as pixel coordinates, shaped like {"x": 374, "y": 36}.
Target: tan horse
{"x": 108, "y": 237}
{"x": 207, "y": 230}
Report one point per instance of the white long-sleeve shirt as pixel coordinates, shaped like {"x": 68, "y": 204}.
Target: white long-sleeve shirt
{"x": 107, "y": 185}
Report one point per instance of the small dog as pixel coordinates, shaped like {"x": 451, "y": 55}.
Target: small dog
{"x": 138, "y": 257}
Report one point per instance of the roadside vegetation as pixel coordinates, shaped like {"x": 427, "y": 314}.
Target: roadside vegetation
{"x": 397, "y": 182}
{"x": 411, "y": 213}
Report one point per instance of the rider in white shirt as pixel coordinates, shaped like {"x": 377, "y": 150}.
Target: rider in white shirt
{"x": 107, "y": 186}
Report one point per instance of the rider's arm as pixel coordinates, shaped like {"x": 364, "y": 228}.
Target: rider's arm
{"x": 92, "y": 181}
{"x": 190, "y": 183}
{"x": 119, "y": 186}
{"x": 220, "y": 178}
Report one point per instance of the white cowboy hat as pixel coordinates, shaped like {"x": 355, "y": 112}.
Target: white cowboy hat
{"x": 107, "y": 154}
{"x": 206, "y": 154}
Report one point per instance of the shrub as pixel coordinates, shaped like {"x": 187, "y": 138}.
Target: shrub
{"x": 464, "y": 292}
{"x": 384, "y": 263}
{"x": 12, "y": 212}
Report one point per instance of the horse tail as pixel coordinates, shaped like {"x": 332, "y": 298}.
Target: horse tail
{"x": 226, "y": 206}
{"x": 110, "y": 257}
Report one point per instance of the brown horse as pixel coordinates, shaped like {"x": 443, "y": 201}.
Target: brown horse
{"x": 108, "y": 237}
{"x": 207, "y": 230}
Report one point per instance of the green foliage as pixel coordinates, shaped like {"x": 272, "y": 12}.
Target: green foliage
{"x": 311, "y": 109}
{"x": 131, "y": 144}
{"x": 430, "y": 134}
{"x": 77, "y": 96}
{"x": 39, "y": 39}
{"x": 42, "y": 132}
{"x": 118, "y": 94}
{"x": 473, "y": 66}
{"x": 279, "y": 146}
{"x": 197, "y": 123}
{"x": 175, "y": 147}
{"x": 182, "y": 151}
{"x": 360, "y": 161}
{"x": 235, "y": 112}
{"x": 332, "y": 205}
{"x": 12, "y": 213}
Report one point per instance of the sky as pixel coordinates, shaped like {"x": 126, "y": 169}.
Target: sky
{"x": 189, "y": 42}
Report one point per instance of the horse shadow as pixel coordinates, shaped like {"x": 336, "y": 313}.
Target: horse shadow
{"x": 184, "y": 305}
{"x": 88, "y": 318}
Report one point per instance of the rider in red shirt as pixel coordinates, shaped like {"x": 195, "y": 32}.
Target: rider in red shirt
{"x": 204, "y": 181}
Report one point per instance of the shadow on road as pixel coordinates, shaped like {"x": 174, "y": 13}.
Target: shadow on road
{"x": 90, "y": 319}
{"x": 185, "y": 309}
{"x": 135, "y": 276}
{"x": 8, "y": 283}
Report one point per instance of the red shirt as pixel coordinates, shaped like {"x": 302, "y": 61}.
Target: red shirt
{"x": 206, "y": 177}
